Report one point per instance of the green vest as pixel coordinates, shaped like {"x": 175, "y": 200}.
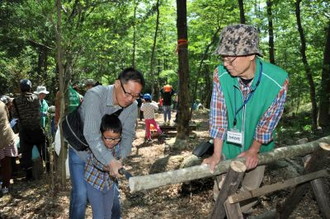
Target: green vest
{"x": 271, "y": 79}
{"x": 74, "y": 99}
{"x": 43, "y": 110}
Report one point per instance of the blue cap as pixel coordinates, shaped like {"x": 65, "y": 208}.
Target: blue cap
{"x": 147, "y": 96}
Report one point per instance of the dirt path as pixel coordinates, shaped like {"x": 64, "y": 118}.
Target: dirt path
{"x": 167, "y": 201}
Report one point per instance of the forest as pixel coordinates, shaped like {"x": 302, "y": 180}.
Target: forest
{"x": 99, "y": 38}
{"x": 56, "y": 43}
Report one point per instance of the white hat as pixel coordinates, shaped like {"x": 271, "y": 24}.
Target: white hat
{"x": 41, "y": 90}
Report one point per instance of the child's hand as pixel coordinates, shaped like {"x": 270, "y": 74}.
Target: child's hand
{"x": 114, "y": 166}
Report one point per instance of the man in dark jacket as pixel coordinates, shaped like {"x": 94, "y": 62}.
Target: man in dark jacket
{"x": 167, "y": 92}
{"x": 26, "y": 109}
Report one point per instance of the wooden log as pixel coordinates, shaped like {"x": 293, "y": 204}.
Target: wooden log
{"x": 271, "y": 214}
{"x": 322, "y": 196}
{"x": 138, "y": 183}
{"x": 319, "y": 186}
{"x": 325, "y": 146}
{"x": 167, "y": 128}
{"x": 315, "y": 162}
{"x": 233, "y": 211}
{"x": 232, "y": 181}
{"x": 277, "y": 186}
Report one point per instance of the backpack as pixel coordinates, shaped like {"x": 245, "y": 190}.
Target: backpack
{"x": 73, "y": 129}
{"x": 204, "y": 149}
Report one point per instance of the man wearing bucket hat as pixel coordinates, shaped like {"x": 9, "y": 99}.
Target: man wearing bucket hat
{"x": 247, "y": 102}
{"x": 42, "y": 92}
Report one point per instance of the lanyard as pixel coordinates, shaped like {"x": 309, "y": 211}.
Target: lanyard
{"x": 248, "y": 97}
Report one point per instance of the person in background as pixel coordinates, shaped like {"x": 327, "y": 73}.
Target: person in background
{"x": 148, "y": 108}
{"x": 160, "y": 105}
{"x": 247, "y": 102}
{"x": 8, "y": 149}
{"x": 74, "y": 100}
{"x": 175, "y": 101}
{"x": 100, "y": 185}
{"x": 197, "y": 105}
{"x": 27, "y": 110}
{"x": 89, "y": 83}
{"x": 51, "y": 113}
{"x": 140, "y": 113}
{"x": 41, "y": 92}
{"x": 166, "y": 93}
{"x": 98, "y": 101}
{"x": 8, "y": 101}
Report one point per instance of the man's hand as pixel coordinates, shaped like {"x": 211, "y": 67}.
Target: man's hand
{"x": 216, "y": 157}
{"x": 113, "y": 167}
{"x": 212, "y": 161}
{"x": 251, "y": 157}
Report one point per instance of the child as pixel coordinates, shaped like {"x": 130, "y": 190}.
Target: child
{"x": 101, "y": 188}
{"x": 148, "y": 107}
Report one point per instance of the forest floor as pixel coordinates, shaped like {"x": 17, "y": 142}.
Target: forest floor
{"x": 44, "y": 199}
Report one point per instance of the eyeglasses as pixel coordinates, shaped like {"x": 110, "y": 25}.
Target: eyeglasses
{"x": 112, "y": 139}
{"x": 127, "y": 94}
{"x": 228, "y": 59}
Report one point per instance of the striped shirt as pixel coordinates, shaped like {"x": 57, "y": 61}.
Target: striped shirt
{"x": 95, "y": 174}
{"x": 266, "y": 125}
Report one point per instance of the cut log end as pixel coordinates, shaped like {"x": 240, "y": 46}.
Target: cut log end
{"x": 131, "y": 185}
{"x": 238, "y": 166}
{"x": 325, "y": 146}
{"x": 231, "y": 200}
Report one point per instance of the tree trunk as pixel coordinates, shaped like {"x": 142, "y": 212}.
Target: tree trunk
{"x": 270, "y": 31}
{"x": 308, "y": 71}
{"x": 241, "y": 11}
{"x": 324, "y": 116}
{"x": 138, "y": 183}
{"x": 157, "y": 85}
{"x": 134, "y": 35}
{"x": 63, "y": 153}
{"x": 41, "y": 60}
{"x": 183, "y": 71}
{"x": 152, "y": 60}
{"x": 42, "y": 65}
{"x": 208, "y": 91}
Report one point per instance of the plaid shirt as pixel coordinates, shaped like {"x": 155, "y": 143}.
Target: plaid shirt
{"x": 95, "y": 174}
{"x": 266, "y": 125}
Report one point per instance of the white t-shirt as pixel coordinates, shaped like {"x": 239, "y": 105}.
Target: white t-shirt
{"x": 149, "y": 109}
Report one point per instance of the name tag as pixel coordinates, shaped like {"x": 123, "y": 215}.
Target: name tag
{"x": 235, "y": 137}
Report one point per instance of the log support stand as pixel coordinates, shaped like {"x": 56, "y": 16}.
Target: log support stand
{"x": 232, "y": 181}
